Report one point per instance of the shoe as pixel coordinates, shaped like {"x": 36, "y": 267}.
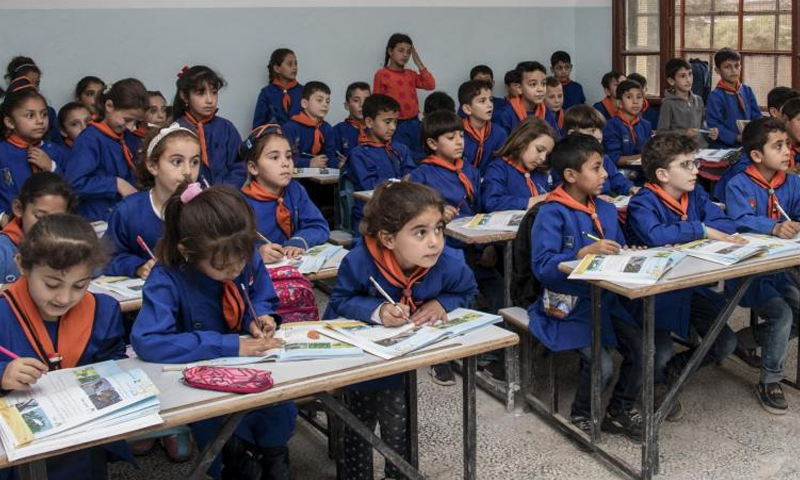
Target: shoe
{"x": 178, "y": 447}
{"x": 275, "y": 463}
{"x": 770, "y": 395}
{"x": 584, "y": 424}
{"x": 442, "y": 374}
{"x": 142, "y": 447}
{"x": 241, "y": 460}
{"x": 676, "y": 413}
{"x": 748, "y": 356}
{"x": 628, "y": 423}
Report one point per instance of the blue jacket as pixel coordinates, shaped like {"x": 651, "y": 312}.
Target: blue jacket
{"x": 269, "y": 106}
{"x": 15, "y": 169}
{"x": 617, "y": 139}
{"x": 508, "y": 119}
{"x": 449, "y": 186}
{"x": 301, "y": 138}
{"x": 504, "y": 188}
{"x": 133, "y": 216}
{"x": 8, "y": 267}
{"x": 497, "y": 137}
{"x": 573, "y": 94}
{"x": 651, "y": 114}
{"x": 307, "y": 221}
{"x": 222, "y": 144}
{"x": 722, "y": 111}
{"x": 722, "y": 184}
{"x": 346, "y": 137}
{"x": 602, "y": 109}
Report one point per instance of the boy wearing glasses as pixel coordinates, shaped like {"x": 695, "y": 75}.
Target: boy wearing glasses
{"x": 673, "y": 209}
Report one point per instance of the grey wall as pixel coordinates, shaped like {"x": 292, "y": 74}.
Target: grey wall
{"x": 335, "y": 45}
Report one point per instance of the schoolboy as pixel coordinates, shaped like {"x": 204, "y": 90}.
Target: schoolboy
{"x": 790, "y": 115}
{"x": 777, "y": 98}
{"x": 481, "y": 137}
{"x": 730, "y": 101}
{"x": 626, "y": 133}
{"x": 311, "y": 137}
{"x": 681, "y": 110}
{"x": 561, "y": 66}
{"x": 649, "y": 112}
{"x": 485, "y": 73}
{"x": 531, "y": 99}
{"x": 513, "y": 82}
{"x": 554, "y": 102}
{"x": 349, "y": 131}
{"x": 608, "y": 105}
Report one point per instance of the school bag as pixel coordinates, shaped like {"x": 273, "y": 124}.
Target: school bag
{"x": 525, "y": 288}
{"x": 296, "y": 301}
{"x": 701, "y": 78}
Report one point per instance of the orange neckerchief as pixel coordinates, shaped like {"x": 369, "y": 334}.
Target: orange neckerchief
{"x": 681, "y": 208}
{"x": 794, "y": 152}
{"x": 140, "y": 131}
{"x": 561, "y": 119}
{"x": 645, "y": 106}
{"x": 561, "y": 196}
{"x": 457, "y": 167}
{"x": 119, "y": 137}
{"x": 232, "y": 306}
{"x": 733, "y": 90}
{"x": 362, "y": 129}
{"x": 282, "y": 214}
{"x": 522, "y": 114}
{"x": 287, "y": 99}
{"x": 479, "y": 136}
{"x": 630, "y": 124}
{"x": 201, "y": 134}
{"x": 565, "y": 81}
{"x": 74, "y": 328}
{"x": 19, "y": 142}
{"x": 391, "y": 271}
{"x": 611, "y": 107}
{"x": 68, "y": 142}
{"x": 303, "y": 119}
{"x": 518, "y": 167}
{"x": 770, "y": 187}
{"x": 13, "y": 230}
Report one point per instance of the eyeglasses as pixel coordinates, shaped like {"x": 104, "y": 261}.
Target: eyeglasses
{"x": 690, "y": 165}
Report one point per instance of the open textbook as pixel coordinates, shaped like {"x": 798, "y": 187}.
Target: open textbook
{"x": 302, "y": 341}
{"x": 90, "y": 402}
{"x": 508, "y": 220}
{"x": 639, "y": 267}
{"x": 120, "y": 288}
{"x": 316, "y": 172}
{"x": 315, "y": 259}
{"x": 386, "y": 342}
{"x": 724, "y": 253}
{"x": 716, "y": 155}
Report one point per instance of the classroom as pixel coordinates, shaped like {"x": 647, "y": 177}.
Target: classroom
{"x": 440, "y": 239}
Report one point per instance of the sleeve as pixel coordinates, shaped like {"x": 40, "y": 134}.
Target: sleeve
{"x": 349, "y": 298}
{"x": 83, "y": 172}
{"x": 424, "y": 80}
{"x": 665, "y": 117}
{"x": 377, "y": 85}
{"x": 260, "y": 113}
{"x": 290, "y": 131}
{"x": 408, "y": 162}
{"x": 312, "y": 227}
{"x": 713, "y": 216}
{"x": 124, "y": 261}
{"x": 458, "y": 287}
{"x": 747, "y": 220}
{"x": 329, "y": 147}
{"x": 262, "y": 294}
{"x": 112, "y": 345}
{"x": 8, "y": 267}
{"x": 612, "y": 143}
{"x": 365, "y": 174}
{"x": 234, "y": 173}
{"x": 495, "y": 193}
{"x": 581, "y": 95}
{"x": 649, "y": 228}
{"x": 502, "y": 119}
{"x": 547, "y": 252}
{"x": 716, "y": 116}
{"x": 619, "y": 182}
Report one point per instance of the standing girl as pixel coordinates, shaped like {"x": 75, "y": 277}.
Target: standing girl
{"x": 101, "y": 166}
{"x": 280, "y": 100}
{"x": 26, "y": 67}
{"x": 195, "y": 107}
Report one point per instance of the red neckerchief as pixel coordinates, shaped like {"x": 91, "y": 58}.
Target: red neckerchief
{"x": 23, "y": 144}
{"x": 68, "y": 142}
{"x": 565, "y": 82}
{"x": 561, "y": 119}
{"x": 611, "y": 106}
{"x": 362, "y": 129}
{"x": 303, "y": 119}
{"x": 525, "y": 173}
{"x": 391, "y": 271}
{"x": 119, "y": 137}
{"x": 561, "y": 196}
{"x": 681, "y": 208}
{"x": 630, "y": 124}
{"x": 645, "y": 106}
{"x": 519, "y": 108}
{"x": 286, "y": 101}
{"x": 770, "y": 187}
{"x": 457, "y": 167}
{"x": 232, "y": 306}
{"x": 733, "y": 90}
{"x": 13, "y": 230}
{"x": 141, "y": 130}
{"x": 479, "y": 136}
{"x": 283, "y": 217}
{"x": 201, "y": 134}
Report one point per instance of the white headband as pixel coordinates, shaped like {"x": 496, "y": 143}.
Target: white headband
{"x": 163, "y": 133}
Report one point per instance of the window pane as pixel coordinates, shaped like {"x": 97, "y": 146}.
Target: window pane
{"x": 726, "y": 5}
{"x": 698, "y": 32}
{"x": 784, "y": 32}
{"x": 641, "y": 32}
{"x": 759, "y": 5}
{"x": 758, "y": 32}
{"x": 784, "y": 71}
{"x": 760, "y": 74}
{"x": 696, "y": 6}
{"x": 647, "y": 65}
{"x": 678, "y": 20}
{"x": 647, "y": 6}
{"x": 725, "y": 32}
{"x": 785, "y": 5}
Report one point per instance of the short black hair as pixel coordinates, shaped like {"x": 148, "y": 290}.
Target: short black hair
{"x": 573, "y": 151}
{"x": 756, "y": 134}
{"x": 353, "y": 87}
{"x": 438, "y": 101}
{"x": 512, "y": 76}
{"x": 610, "y": 77}
{"x": 67, "y": 109}
{"x": 41, "y": 184}
{"x": 530, "y": 66}
{"x": 778, "y": 96}
{"x": 438, "y": 123}
{"x": 583, "y": 116}
{"x": 313, "y": 87}
{"x": 674, "y": 65}
{"x": 662, "y": 149}
{"x": 791, "y": 108}
{"x": 725, "y": 54}
{"x": 481, "y": 70}
{"x": 560, "y": 56}
{"x": 469, "y": 90}
{"x": 639, "y": 78}
{"x": 552, "y": 82}
{"x": 625, "y": 86}
{"x": 378, "y": 103}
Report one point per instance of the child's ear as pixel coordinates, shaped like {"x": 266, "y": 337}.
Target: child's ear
{"x": 369, "y": 122}
{"x": 151, "y": 166}
{"x": 432, "y": 144}
{"x": 252, "y": 169}
{"x": 18, "y": 262}
{"x": 303, "y": 103}
{"x": 183, "y": 251}
{"x": 661, "y": 175}
{"x": 386, "y": 239}
{"x": 570, "y": 175}
{"x": 63, "y": 133}
{"x": 467, "y": 109}
{"x": 671, "y": 81}
{"x": 109, "y": 106}
{"x": 716, "y": 70}
{"x": 8, "y": 123}
{"x": 757, "y": 156}
{"x": 16, "y": 208}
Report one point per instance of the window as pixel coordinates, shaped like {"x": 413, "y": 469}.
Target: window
{"x": 641, "y": 51}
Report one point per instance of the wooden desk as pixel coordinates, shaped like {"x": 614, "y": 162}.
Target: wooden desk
{"x": 293, "y": 380}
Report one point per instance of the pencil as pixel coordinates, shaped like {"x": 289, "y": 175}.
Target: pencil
{"x": 250, "y": 305}
{"x": 262, "y": 237}
{"x": 144, "y": 246}
{"x": 388, "y": 298}
{"x": 592, "y": 237}
{"x": 8, "y": 353}
{"x": 783, "y": 212}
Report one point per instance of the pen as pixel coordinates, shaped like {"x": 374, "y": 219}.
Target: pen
{"x": 702, "y": 130}
{"x": 592, "y": 237}
{"x": 262, "y": 237}
{"x": 144, "y": 246}
{"x": 8, "y": 353}
{"x": 250, "y": 306}
{"x": 388, "y": 298}
{"x": 783, "y": 212}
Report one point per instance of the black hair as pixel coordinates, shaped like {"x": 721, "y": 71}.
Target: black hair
{"x": 437, "y": 124}
{"x": 313, "y": 87}
{"x": 791, "y": 108}
{"x": 469, "y": 90}
{"x": 19, "y": 90}
{"x": 573, "y": 151}
{"x": 193, "y": 79}
{"x": 438, "y": 101}
{"x": 627, "y": 85}
{"x": 662, "y": 149}
{"x": 125, "y": 94}
{"x": 778, "y": 96}
{"x": 61, "y": 241}
{"x": 481, "y": 70}
{"x": 530, "y": 66}
{"x": 67, "y": 109}
{"x": 84, "y": 83}
{"x": 276, "y": 59}
{"x": 756, "y": 134}
{"x": 725, "y": 54}
{"x": 552, "y": 82}
{"x": 19, "y": 66}
{"x": 638, "y": 78}
{"x": 674, "y": 65}
{"x": 583, "y": 116}
{"x": 47, "y": 183}
{"x": 394, "y": 40}
{"x": 353, "y": 87}
{"x": 378, "y": 103}
{"x": 610, "y": 77}
{"x": 560, "y": 56}
{"x": 512, "y": 76}
{"x": 393, "y": 204}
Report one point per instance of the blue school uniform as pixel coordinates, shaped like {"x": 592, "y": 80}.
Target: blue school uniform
{"x": 505, "y": 188}
{"x": 722, "y": 111}
{"x": 53, "y": 127}
{"x": 601, "y": 107}
{"x": 408, "y": 133}
{"x": 735, "y": 169}
{"x": 651, "y": 114}
{"x": 346, "y": 137}
{"x": 222, "y": 146}
{"x": 133, "y": 216}
{"x": 15, "y": 169}
{"x": 309, "y": 228}
{"x": 508, "y": 118}
{"x": 616, "y": 183}
{"x": 617, "y": 139}
{"x": 497, "y": 137}
{"x": 552, "y": 120}
{"x": 301, "y": 138}
{"x": 269, "y": 106}
{"x": 450, "y": 187}
{"x": 573, "y": 94}
{"x": 558, "y": 233}
{"x": 8, "y": 267}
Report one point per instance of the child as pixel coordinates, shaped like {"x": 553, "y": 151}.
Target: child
{"x": 49, "y": 310}
{"x": 777, "y": 98}
{"x": 101, "y": 166}
{"x": 513, "y": 82}
{"x": 350, "y": 132}
{"x": 649, "y": 112}
{"x": 395, "y": 80}
{"x": 790, "y": 115}
{"x": 519, "y": 181}
{"x": 404, "y": 250}
{"x": 284, "y": 213}
{"x": 681, "y": 110}
{"x": 561, "y": 317}
{"x": 627, "y": 132}
{"x": 279, "y": 100}
{"x": 194, "y": 309}
{"x": 554, "y": 101}
{"x": 482, "y": 138}
{"x": 73, "y": 118}
{"x": 87, "y": 90}
{"x": 380, "y": 158}
{"x": 171, "y": 156}
{"x": 484, "y": 73}
{"x": 669, "y": 210}
{"x": 531, "y": 99}
{"x": 561, "y": 66}
{"x": 311, "y": 137}
{"x": 608, "y": 105}
{"x": 438, "y": 101}
{"x": 26, "y": 148}
{"x": 25, "y": 67}
{"x": 730, "y": 101}
{"x": 43, "y": 193}
{"x": 195, "y": 107}
{"x": 157, "y": 112}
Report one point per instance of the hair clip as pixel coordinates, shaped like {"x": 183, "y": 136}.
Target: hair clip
{"x": 25, "y": 65}
{"x": 174, "y": 127}
{"x": 20, "y": 83}
{"x": 258, "y": 132}
{"x": 191, "y": 192}
{"x": 183, "y": 71}
{"x": 392, "y": 181}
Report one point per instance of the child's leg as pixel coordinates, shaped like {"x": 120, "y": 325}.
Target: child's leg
{"x": 665, "y": 351}
{"x": 582, "y": 405}
{"x": 778, "y": 318}
{"x": 358, "y": 453}
{"x": 393, "y": 419}
{"x": 629, "y": 345}
{"x": 704, "y": 312}
{"x": 270, "y": 429}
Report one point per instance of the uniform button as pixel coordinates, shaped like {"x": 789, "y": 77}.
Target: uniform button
{"x": 198, "y": 325}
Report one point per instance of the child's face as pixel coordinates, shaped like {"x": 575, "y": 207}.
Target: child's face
{"x": 536, "y": 152}
{"x": 156, "y": 113}
{"x": 75, "y": 122}
{"x": 29, "y": 120}
{"x": 203, "y": 101}
{"x": 632, "y": 101}
{"x": 420, "y": 242}
{"x": 55, "y": 292}
{"x": 121, "y": 119}
{"x": 533, "y": 86}
{"x": 776, "y": 153}
{"x": 273, "y": 168}
{"x": 611, "y": 91}
{"x": 481, "y": 107}
{"x": 730, "y": 70}
{"x": 222, "y": 270}
{"x": 400, "y": 54}
{"x": 595, "y": 132}
{"x": 355, "y": 105}
{"x": 449, "y": 146}
{"x": 38, "y": 208}
{"x": 287, "y": 70}
{"x": 383, "y": 125}
{"x": 89, "y": 96}
{"x": 680, "y": 174}
{"x": 317, "y": 105}
{"x": 554, "y": 99}
{"x": 562, "y": 70}
{"x": 591, "y": 177}
{"x": 484, "y": 77}
{"x": 682, "y": 81}
{"x": 792, "y": 127}
{"x": 179, "y": 162}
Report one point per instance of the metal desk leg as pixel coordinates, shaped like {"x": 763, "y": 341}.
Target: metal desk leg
{"x": 650, "y": 428}
{"x": 35, "y": 470}
{"x": 469, "y": 411}
{"x": 412, "y": 425}
{"x": 597, "y": 381}
{"x": 508, "y": 261}
{"x": 207, "y": 456}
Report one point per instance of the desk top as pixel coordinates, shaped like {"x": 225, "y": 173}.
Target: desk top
{"x": 457, "y": 230}
{"x": 363, "y": 195}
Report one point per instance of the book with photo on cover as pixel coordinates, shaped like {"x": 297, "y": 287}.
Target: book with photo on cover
{"x": 718, "y": 251}
{"x": 639, "y": 267}
{"x": 507, "y": 220}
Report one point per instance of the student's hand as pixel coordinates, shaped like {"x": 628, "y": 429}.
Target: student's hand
{"x": 534, "y": 200}
{"x": 449, "y": 212}
{"x": 394, "y": 315}
{"x": 713, "y": 134}
{"x": 714, "y": 234}
{"x": 257, "y": 347}
{"x": 603, "y": 247}
{"x": 124, "y": 188}
{"x": 320, "y": 161}
{"x": 632, "y": 248}
{"x": 263, "y": 327}
{"x": 342, "y": 159}
{"x": 415, "y": 58}
{"x": 144, "y": 270}
{"x": 739, "y": 138}
{"x": 271, "y": 253}
{"x": 293, "y": 252}
{"x": 38, "y": 157}
{"x": 786, "y": 229}
{"x": 488, "y": 257}
{"x": 692, "y": 132}
{"x": 430, "y": 312}
{"x": 634, "y": 190}
{"x": 21, "y": 373}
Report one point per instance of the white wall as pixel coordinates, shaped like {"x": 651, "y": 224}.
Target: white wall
{"x": 335, "y": 45}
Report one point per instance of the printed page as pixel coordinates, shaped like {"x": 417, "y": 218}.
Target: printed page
{"x": 120, "y": 288}
{"x": 506, "y": 221}
{"x": 639, "y": 267}
{"x": 724, "y": 253}
{"x": 315, "y": 172}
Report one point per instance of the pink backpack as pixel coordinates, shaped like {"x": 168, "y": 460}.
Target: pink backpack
{"x": 296, "y": 301}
